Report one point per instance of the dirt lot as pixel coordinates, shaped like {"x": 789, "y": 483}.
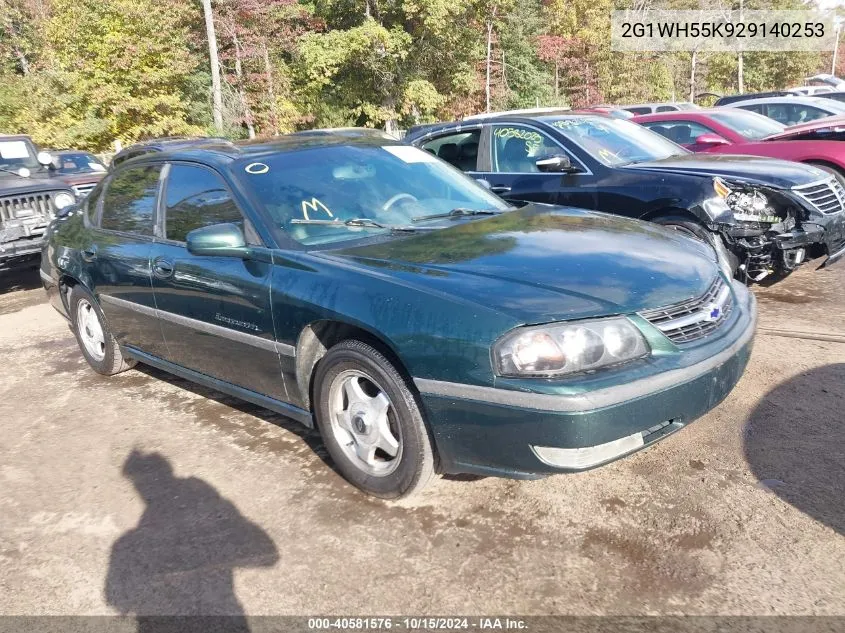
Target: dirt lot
{"x": 143, "y": 493}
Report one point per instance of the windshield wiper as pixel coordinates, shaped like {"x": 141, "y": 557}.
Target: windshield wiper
{"x": 457, "y": 213}
{"x": 357, "y": 222}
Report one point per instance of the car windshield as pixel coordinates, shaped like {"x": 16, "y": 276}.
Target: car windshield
{"x": 17, "y": 153}
{"x": 337, "y": 193}
{"x": 749, "y": 124}
{"x": 615, "y": 142}
{"x": 79, "y": 163}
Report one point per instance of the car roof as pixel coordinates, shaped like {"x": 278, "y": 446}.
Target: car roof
{"x": 223, "y": 153}
{"x": 526, "y": 112}
{"x": 64, "y": 152}
{"x": 659, "y": 116}
{"x": 819, "y": 102}
{"x": 653, "y": 104}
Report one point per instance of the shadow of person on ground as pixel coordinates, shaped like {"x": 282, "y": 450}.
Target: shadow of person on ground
{"x": 180, "y": 558}
{"x": 794, "y": 442}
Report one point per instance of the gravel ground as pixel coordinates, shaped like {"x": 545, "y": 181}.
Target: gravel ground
{"x": 145, "y": 494}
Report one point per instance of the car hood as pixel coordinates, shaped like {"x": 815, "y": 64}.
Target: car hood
{"x": 543, "y": 263}
{"x": 818, "y": 124}
{"x": 782, "y": 174}
{"x": 82, "y": 179}
{"x": 11, "y": 185}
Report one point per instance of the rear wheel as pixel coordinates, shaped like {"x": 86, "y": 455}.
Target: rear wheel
{"x": 371, "y": 423}
{"x": 92, "y": 334}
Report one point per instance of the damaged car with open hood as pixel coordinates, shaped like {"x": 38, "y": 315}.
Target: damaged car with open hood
{"x": 368, "y": 289}
{"x": 764, "y": 216}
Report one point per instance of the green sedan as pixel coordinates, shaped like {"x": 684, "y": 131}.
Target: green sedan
{"x": 421, "y": 323}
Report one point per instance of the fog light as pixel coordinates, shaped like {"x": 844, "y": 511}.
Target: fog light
{"x": 580, "y": 458}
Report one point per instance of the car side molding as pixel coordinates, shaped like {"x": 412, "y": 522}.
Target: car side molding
{"x": 202, "y": 326}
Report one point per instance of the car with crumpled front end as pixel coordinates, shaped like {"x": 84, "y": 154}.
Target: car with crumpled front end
{"x": 30, "y": 197}
{"x": 368, "y": 289}
{"x": 764, "y": 216}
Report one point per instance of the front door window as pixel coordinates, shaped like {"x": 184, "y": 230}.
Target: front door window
{"x": 516, "y": 149}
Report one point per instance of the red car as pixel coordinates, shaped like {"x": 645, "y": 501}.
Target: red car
{"x": 735, "y": 131}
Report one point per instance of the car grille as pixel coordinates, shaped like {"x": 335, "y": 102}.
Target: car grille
{"x": 827, "y": 196}
{"x": 28, "y": 206}
{"x": 696, "y": 318}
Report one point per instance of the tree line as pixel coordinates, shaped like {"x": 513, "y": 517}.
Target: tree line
{"x": 84, "y": 73}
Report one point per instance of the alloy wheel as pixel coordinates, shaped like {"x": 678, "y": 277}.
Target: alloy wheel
{"x": 363, "y": 421}
{"x": 90, "y": 330}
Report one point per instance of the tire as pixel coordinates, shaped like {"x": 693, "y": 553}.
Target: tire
{"x": 371, "y": 422}
{"x": 100, "y": 349}
{"x": 831, "y": 170}
{"x": 685, "y": 226}
{"x": 694, "y": 229}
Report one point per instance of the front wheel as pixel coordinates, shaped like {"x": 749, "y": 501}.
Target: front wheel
{"x": 95, "y": 339}
{"x": 371, "y": 423}
{"x": 691, "y": 228}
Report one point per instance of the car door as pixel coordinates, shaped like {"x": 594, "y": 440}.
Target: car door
{"x": 117, "y": 258}
{"x": 214, "y": 311}
{"x": 510, "y": 167}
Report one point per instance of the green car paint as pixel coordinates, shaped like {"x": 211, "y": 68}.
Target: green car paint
{"x": 252, "y": 317}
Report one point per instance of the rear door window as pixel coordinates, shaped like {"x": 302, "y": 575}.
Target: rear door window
{"x": 129, "y": 200}
{"x": 460, "y": 150}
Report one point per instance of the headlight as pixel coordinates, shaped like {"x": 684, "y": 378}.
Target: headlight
{"x": 63, "y": 200}
{"x": 568, "y": 348}
{"x": 747, "y": 204}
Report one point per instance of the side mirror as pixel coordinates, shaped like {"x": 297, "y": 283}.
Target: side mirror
{"x": 556, "y": 163}
{"x": 484, "y": 183}
{"x": 220, "y": 240}
{"x": 45, "y": 158}
{"x": 711, "y": 139}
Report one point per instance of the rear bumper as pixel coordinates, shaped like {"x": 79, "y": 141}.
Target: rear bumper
{"x": 519, "y": 434}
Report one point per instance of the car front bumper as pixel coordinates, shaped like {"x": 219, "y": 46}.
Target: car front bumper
{"x": 17, "y": 248}
{"x": 502, "y": 432}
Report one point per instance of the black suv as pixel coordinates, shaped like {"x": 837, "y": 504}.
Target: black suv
{"x": 762, "y": 215}
{"x": 30, "y": 197}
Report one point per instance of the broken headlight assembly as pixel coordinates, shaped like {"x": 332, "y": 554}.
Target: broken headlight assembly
{"x": 747, "y": 203}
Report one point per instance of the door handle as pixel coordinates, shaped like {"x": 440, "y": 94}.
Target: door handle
{"x": 500, "y": 188}
{"x": 89, "y": 254}
{"x": 162, "y": 268}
